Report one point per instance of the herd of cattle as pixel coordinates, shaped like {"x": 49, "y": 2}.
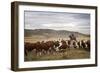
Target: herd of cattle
{"x": 45, "y": 47}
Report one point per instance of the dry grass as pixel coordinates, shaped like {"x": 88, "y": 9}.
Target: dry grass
{"x": 68, "y": 54}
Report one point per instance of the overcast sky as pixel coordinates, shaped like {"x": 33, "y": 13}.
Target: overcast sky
{"x": 78, "y": 22}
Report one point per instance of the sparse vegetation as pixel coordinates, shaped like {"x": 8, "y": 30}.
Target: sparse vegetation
{"x": 68, "y": 54}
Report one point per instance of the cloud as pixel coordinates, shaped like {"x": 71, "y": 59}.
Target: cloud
{"x": 57, "y": 20}
{"x": 59, "y": 25}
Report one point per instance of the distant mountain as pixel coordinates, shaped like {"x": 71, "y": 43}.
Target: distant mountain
{"x": 51, "y": 33}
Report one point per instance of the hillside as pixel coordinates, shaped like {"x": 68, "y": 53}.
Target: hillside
{"x": 51, "y": 33}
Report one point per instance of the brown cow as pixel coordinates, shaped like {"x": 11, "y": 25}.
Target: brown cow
{"x": 75, "y": 45}
{"x": 64, "y": 46}
{"x": 88, "y": 45}
{"x": 28, "y": 47}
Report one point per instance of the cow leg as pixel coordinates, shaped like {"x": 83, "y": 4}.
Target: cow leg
{"x": 40, "y": 53}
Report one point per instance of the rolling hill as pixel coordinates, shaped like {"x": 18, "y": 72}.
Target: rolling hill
{"x": 51, "y": 33}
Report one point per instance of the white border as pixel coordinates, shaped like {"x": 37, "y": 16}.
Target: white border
{"x": 33, "y": 64}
